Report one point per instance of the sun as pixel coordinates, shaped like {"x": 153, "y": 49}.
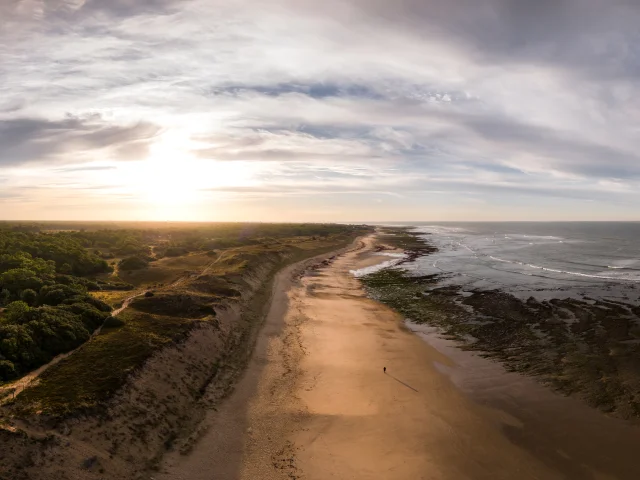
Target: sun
{"x": 172, "y": 176}
{"x": 169, "y": 182}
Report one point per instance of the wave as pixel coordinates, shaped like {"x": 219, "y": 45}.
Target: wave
{"x": 537, "y": 275}
{"x": 629, "y": 269}
{"x": 503, "y": 260}
{"x": 565, "y": 272}
{"x": 518, "y": 236}
{"x": 601, "y": 266}
{"x": 468, "y": 248}
{"x": 580, "y": 264}
{"x": 376, "y": 268}
{"x": 439, "y": 229}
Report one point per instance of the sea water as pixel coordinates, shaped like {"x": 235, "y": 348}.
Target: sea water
{"x": 532, "y": 258}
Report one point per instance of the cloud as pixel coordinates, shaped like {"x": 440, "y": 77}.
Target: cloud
{"x": 85, "y": 169}
{"x": 126, "y": 8}
{"x": 499, "y": 99}
{"x": 48, "y": 10}
{"x": 313, "y": 90}
{"x": 583, "y": 34}
{"x": 30, "y": 140}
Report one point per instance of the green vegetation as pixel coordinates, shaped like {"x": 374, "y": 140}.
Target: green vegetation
{"x": 47, "y": 254}
{"x": 209, "y": 277}
{"x": 133, "y": 263}
{"x": 48, "y": 310}
{"x": 96, "y": 371}
{"x": 125, "y": 239}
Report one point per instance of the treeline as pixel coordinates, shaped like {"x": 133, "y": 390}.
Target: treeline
{"x": 117, "y": 242}
{"x": 228, "y": 235}
{"x": 66, "y": 253}
{"x": 173, "y": 241}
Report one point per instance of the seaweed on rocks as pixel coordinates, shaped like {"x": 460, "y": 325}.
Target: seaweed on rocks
{"x": 588, "y": 348}
{"x": 414, "y": 245}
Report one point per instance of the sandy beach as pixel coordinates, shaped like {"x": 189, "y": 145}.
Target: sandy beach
{"x": 316, "y": 404}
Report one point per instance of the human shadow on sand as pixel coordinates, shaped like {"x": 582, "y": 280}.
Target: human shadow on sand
{"x": 400, "y": 381}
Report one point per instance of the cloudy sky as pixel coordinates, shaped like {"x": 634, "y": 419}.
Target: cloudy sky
{"x": 342, "y": 110}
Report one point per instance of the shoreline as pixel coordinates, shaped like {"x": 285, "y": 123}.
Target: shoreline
{"x": 585, "y": 348}
{"x": 227, "y": 432}
{"x": 315, "y": 403}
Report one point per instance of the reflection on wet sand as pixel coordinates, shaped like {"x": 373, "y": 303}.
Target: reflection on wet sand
{"x": 563, "y": 432}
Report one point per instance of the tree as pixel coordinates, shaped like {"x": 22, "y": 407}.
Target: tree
{"x": 16, "y": 311}
{"x": 29, "y": 296}
{"x": 18, "y": 279}
{"x": 7, "y": 370}
{"x": 56, "y": 294}
{"x": 5, "y": 295}
{"x": 65, "y": 268}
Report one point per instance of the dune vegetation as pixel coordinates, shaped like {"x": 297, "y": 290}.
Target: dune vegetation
{"x": 59, "y": 287}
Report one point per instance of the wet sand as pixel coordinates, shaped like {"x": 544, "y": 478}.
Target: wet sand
{"x": 315, "y": 404}
{"x": 564, "y": 433}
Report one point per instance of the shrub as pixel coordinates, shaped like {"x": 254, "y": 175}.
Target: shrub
{"x": 133, "y": 263}
{"x": 175, "y": 251}
{"x": 113, "y": 322}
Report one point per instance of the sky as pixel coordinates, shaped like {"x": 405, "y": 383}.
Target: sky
{"x": 307, "y": 110}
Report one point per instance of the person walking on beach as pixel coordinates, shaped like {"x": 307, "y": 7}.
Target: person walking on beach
{"x": 384, "y": 369}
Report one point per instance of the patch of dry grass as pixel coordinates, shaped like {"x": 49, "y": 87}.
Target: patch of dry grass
{"x": 113, "y": 298}
{"x": 166, "y": 270}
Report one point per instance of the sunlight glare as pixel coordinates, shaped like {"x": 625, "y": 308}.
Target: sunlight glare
{"x": 172, "y": 176}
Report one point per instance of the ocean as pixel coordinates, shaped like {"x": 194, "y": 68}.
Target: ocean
{"x": 552, "y": 259}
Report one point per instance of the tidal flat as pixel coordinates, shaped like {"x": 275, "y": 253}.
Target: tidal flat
{"x": 583, "y": 347}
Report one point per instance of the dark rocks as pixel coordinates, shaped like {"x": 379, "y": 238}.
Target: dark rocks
{"x": 588, "y": 348}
